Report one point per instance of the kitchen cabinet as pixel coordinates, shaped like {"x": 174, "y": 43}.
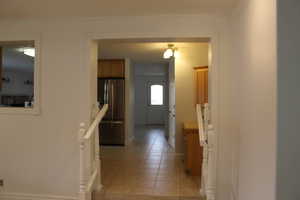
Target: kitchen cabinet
{"x": 193, "y": 151}
{"x": 201, "y": 74}
{"x": 111, "y": 68}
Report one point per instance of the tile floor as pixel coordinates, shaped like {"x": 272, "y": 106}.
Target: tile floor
{"x": 148, "y": 167}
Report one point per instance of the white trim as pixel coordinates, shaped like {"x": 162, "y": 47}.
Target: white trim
{"x": 213, "y": 68}
{"x": 36, "y": 37}
{"x": 21, "y": 196}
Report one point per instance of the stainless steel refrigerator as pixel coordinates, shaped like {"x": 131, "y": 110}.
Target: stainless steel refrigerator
{"x": 112, "y": 127}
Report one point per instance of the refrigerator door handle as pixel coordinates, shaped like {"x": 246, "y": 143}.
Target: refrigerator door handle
{"x": 112, "y": 99}
{"x": 105, "y": 92}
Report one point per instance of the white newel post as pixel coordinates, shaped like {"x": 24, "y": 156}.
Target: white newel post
{"x": 97, "y": 156}
{"x": 89, "y": 155}
{"x": 208, "y": 181}
{"x": 82, "y": 172}
{"x": 211, "y": 180}
{"x": 204, "y": 170}
{"x": 98, "y": 165}
{"x": 211, "y": 157}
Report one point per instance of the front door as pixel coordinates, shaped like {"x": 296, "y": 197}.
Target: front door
{"x": 156, "y": 109}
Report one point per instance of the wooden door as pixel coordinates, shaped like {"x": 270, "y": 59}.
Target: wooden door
{"x": 201, "y": 85}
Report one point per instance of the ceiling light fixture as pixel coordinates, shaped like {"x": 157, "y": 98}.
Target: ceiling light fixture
{"x": 29, "y": 52}
{"x": 170, "y": 52}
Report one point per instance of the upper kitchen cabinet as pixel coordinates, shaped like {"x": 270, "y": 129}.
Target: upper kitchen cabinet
{"x": 111, "y": 68}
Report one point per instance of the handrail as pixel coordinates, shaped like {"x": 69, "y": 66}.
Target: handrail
{"x": 87, "y": 180}
{"x": 91, "y": 181}
{"x": 97, "y": 120}
{"x": 200, "y": 125}
{"x": 208, "y": 142}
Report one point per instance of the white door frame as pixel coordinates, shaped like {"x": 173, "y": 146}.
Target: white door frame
{"x": 213, "y": 68}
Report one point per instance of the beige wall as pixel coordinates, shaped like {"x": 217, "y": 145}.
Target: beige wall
{"x": 191, "y": 56}
{"x": 39, "y": 154}
{"x": 129, "y": 101}
{"x": 248, "y": 101}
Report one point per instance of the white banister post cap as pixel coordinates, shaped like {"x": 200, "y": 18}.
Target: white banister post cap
{"x": 82, "y": 125}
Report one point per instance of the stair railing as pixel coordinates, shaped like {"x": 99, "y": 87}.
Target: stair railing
{"x": 89, "y": 156}
{"x": 207, "y": 141}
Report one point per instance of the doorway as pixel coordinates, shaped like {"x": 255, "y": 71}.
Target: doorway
{"x": 154, "y": 150}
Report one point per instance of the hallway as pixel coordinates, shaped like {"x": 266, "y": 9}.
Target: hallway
{"x": 147, "y": 167}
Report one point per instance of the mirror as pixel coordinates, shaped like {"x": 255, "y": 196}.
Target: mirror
{"x": 17, "y": 61}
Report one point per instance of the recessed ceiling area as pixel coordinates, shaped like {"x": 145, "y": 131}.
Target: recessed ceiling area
{"x": 97, "y": 8}
{"x": 141, "y": 52}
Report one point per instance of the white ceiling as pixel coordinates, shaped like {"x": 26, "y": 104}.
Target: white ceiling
{"x": 96, "y": 8}
{"x": 144, "y": 52}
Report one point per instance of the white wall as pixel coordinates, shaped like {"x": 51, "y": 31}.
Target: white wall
{"x": 39, "y": 153}
{"x": 185, "y": 84}
{"x": 288, "y": 163}
{"x": 248, "y": 102}
{"x": 43, "y": 149}
{"x": 146, "y": 73}
{"x": 129, "y": 101}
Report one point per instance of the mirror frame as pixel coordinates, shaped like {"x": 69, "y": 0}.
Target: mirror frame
{"x": 35, "y": 110}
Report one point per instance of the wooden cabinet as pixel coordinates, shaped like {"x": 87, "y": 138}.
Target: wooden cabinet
{"x": 111, "y": 68}
{"x": 193, "y": 150}
{"x": 201, "y": 84}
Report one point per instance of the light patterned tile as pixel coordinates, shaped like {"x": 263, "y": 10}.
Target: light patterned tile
{"x": 146, "y": 167}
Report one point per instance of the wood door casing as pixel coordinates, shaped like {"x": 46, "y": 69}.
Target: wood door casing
{"x": 201, "y": 74}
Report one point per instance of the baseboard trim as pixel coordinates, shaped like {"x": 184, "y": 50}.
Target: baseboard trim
{"x": 21, "y": 196}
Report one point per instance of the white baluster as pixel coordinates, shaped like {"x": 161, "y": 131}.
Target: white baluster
{"x": 97, "y": 160}
{"x": 204, "y": 170}
{"x": 208, "y": 182}
{"x": 89, "y": 155}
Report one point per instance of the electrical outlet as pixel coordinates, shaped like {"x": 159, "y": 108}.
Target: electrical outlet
{"x": 1, "y": 183}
